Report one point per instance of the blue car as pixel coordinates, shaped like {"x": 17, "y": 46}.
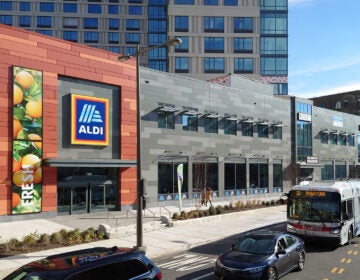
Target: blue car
{"x": 91, "y": 264}
{"x": 264, "y": 255}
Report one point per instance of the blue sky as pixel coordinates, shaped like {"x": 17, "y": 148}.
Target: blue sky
{"x": 324, "y": 47}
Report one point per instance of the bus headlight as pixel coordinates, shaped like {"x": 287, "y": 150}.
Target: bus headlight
{"x": 290, "y": 227}
{"x": 335, "y": 231}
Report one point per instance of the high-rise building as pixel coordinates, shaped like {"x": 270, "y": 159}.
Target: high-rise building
{"x": 245, "y": 37}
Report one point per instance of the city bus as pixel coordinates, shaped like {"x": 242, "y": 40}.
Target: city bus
{"x": 322, "y": 209}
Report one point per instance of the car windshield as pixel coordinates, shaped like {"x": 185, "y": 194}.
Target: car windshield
{"x": 24, "y": 273}
{"x": 314, "y": 210}
{"x": 256, "y": 244}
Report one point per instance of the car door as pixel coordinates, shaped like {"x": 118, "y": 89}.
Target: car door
{"x": 283, "y": 260}
{"x": 292, "y": 250}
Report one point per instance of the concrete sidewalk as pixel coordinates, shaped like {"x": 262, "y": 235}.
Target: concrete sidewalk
{"x": 164, "y": 240}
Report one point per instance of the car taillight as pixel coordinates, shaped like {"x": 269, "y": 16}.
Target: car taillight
{"x": 159, "y": 276}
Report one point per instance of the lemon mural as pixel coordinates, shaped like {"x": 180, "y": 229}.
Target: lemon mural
{"x": 27, "y": 141}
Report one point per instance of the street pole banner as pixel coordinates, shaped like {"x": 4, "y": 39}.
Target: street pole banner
{"x": 27, "y": 140}
{"x": 180, "y": 177}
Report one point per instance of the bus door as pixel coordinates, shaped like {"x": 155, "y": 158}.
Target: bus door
{"x": 347, "y": 222}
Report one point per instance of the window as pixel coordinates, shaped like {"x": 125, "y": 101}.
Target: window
{"x": 211, "y": 2}
{"x": 263, "y": 131}
{"x": 324, "y": 138}
{"x": 243, "y": 65}
{"x": 44, "y": 21}
{"x": 235, "y": 176}
{"x": 70, "y": 22}
{"x": 47, "y": 7}
{"x": 351, "y": 140}
{"x": 6, "y": 19}
{"x": 210, "y": 125}
{"x": 340, "y": 171}
{"x": 243, "y": 25}
{"x": 70, "y": 36}
{"x": 166, "y": 120}
{"x": 184, "y": 46}
{"x": 114, "y": 37}
{"x": 132, "y": 38}
{"x": 280, "y": 88}
{"x": 184, "y": 2}
{"x": 25, "y": 21}
{"x": 181, "y": 23}
{"x": 24, "y": 6}
{"x": 214, "y": 65}
{"x": 247, "y": 129}
{"x": 274, "y": 45}
{"x": 214, "y": 44}
{"x": 181, "y": 65}
{"x": 303, "y": 132}
{"x": 132, "y": 24}
{"x": 230, "y": 2}
{"x": 230, "y": 127}
{"x": 156, "y": 39}
{"x": 70, "y": 8}
{"x": 337, "y": 105}
{"x": 134, "y": 1}
{"x": 273, "y": 23}
{"x": 273, "y": 66}
{"x": 113, "y": 24}
{"x": 277, "y": 132}
{"x": 243, "y": 45}
{"x": 190, "y": 122}
{"x": 157, "y": 12}
{"x": 5, "y": 5}
{"x": 274, "y": 5}
{"x": 327, "y": 172}
{"x": 157, "y": 26}
{"x": 135, "y": 10}
{"x": 94, "y": 8}
{"x": 45, "y": 32}
{"x": 214, "y": 24}
{"x": 113, "y": 9}
{"x": 333, "y": 138}
{"x": 167, "y": 180}
{"x": 342, "y": 140}
{"x": 90, "y": 23}
{"x": 114, "y": 49}
{"x": 91, "y": 37}
{"x": 205, "y": 174}
{"x": 259, "y": 175}
{"x": 277, "y": 175}
{"x": 130, "y": 50}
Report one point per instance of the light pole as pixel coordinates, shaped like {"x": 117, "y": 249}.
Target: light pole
{"x": 140, "y": 181}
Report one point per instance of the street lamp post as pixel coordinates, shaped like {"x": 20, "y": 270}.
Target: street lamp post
{"x": 139, "y": 179}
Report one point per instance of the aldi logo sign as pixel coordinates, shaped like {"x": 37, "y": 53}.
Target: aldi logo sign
{"x": 89, "y": 120}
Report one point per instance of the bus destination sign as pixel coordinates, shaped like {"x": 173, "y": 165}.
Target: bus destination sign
{"x": 311, "y": 193}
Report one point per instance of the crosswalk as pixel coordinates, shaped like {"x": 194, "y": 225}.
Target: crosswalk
{"x": 186, "y": 262}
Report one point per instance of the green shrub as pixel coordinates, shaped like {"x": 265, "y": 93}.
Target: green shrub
{"x": 30, "y": 239}
{"x": 100, "y": 234}
{"x": 44, "y": 239}
{"x": 175, "y": 216}
{"x": 56, "y": 237}
{"x": 219, "y": 210}
{"x": 212, "y": 210}
{"x": 73, "y": 236}
{"x": 226, "y": 208}
{"x": 183, "y": 215}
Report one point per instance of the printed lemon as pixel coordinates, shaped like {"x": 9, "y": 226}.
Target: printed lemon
{"x": 18, "y": 95}
{"x": 17, "y": 127}
{"x": 25, "y": 79}
{"x": 30, "y": 161}
{"x": 38, "y": 175}
{"x": 16, "y": 165}
{"x": 35, "y": 137}
{"x": 34, "y": 109}
{"x": 15, "y": 199}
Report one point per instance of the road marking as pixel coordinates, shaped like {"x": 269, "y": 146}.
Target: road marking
{"x": 334, "y": 270}
{"x": 203, "y": 276}
{"x": 344, "y": 260}
{"x": 349, "y": 252}
{"x": 341, "y": 270}
{"x": 353, "y": 252}
{"x": 348, "y": 261}
{"x": 186, "y": 262}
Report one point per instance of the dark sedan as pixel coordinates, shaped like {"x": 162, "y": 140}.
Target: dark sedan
{"x": 261, "y": 255}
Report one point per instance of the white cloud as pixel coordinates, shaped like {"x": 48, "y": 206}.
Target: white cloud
{"x": 328, "y": 91}
{"x": 327, "y": 66}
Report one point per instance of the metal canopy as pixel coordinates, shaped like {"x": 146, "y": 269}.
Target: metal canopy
{"x": 59, "y": 162}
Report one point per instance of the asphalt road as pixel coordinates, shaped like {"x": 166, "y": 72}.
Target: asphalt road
{"x": 324, "y": 261}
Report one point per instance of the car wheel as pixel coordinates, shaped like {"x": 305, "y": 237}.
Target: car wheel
{"x": 271, "y": 274}
{"x": 301, "y": 261}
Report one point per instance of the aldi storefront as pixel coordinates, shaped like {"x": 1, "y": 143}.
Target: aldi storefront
{"x": 68, "y": 132}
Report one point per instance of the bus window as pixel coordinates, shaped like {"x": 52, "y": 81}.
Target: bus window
{"x": 347, "y": 210}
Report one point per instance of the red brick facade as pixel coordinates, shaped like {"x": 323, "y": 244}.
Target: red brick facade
{"x": 57, "y": 57}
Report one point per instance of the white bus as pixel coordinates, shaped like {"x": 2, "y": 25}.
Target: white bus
{"x": 324, "y": 209}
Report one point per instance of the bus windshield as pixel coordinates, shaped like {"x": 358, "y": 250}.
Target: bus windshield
{"x": 314, "y": 210}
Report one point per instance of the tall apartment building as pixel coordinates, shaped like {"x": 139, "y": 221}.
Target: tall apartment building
{"x": 246, "y": 37}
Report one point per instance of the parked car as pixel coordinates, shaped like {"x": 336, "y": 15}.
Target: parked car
{"x": 90, "y": 264}
{"x": 261, "y": 255}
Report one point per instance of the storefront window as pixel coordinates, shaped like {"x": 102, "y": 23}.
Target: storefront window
{"x": 235, "y": 176}
{"x": 277, "y": 176}
{"x": 205, "y": 175}
{"x": 327, "y": 172}
{"x": 168, "y": 183}
{"x": 259, "y": 176}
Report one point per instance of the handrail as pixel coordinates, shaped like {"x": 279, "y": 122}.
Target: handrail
{"x": 153, "y": 214}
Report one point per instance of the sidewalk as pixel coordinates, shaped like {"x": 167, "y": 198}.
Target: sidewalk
{"x": 181, "y": 236}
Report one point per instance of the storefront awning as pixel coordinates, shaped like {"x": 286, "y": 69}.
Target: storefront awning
{"x": 60, "y": 162}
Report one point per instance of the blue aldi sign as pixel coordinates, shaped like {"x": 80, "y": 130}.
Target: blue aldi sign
{"x": 89, "y": 120}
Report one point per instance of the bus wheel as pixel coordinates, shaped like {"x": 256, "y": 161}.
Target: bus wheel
{"x": 350, "y": 235}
